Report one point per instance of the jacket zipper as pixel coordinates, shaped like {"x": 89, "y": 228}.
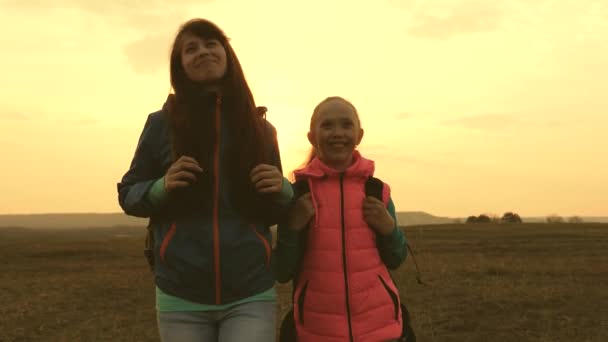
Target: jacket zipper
{"x": 265, "y": 242}
{"x": 165, "y": 243}
{"x": 216, "y": 191}
{"x": 350, "y": 328}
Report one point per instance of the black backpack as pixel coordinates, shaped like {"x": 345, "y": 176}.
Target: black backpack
{"x": 287, "y": 331}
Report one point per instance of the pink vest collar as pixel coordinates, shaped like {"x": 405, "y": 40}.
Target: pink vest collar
{"x": 361, "y": 167}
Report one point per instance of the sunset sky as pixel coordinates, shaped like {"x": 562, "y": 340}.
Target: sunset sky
{"x": 468, "y": 107}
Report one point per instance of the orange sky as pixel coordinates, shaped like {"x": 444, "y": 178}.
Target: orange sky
{"x": 468, "y": 106}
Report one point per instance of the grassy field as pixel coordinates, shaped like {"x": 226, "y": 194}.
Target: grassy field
{"x": 531, "y": 282}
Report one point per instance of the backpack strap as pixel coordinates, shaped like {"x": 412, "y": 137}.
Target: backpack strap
{"x": 300, "y": 187}
{"x": 374, "y": 187}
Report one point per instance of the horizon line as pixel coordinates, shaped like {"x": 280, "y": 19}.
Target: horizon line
{"x": 402, "y": 211}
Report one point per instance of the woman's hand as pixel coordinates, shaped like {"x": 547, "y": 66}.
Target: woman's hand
{"x": 267, "y": 179}
{"x": 377, "y": 216}
{"x": 301, "y": 213}
{"x": 182, "y": 173}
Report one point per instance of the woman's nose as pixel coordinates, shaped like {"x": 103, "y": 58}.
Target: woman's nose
{"x": 203, "y": 50}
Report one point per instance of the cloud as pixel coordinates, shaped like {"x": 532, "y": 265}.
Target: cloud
{"x": 405, "y": 4}
{"x": 403, "y": 116}
{"x": 145, "y": 16}
{"x": 465, "y": 18}
{"x": 400, "y": 157}
{"x": 556, "y": 124}
{"x": 104, "y": 7}
{"x": 13, "y": 116}
{"x": 487, "y": 122}
{"x": 73, "y": 118}
{"x": 445, "y": 19}
{"x": 374, "y": 148}
{"x": 145, "y": 55}
{"x": 301, "y": 151}
{"x": 149, "y": 54}
{"x": 502, "y": 122}
{"x": 83, "y": 122}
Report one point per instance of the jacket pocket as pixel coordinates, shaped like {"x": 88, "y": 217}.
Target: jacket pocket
{"x": 301, "y": 299}
{"x": 265, "y": 243}
{"x": 165, "y": 244}
{"x": 394, "y": 297}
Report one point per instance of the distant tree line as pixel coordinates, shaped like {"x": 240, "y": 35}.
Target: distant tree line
{"x": 508, "y": 217}
{"x": 558, "y": 219}
{"x": 511, "y": 217}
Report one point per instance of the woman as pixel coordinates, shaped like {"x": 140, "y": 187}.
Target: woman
{"x": 207, "y": 172}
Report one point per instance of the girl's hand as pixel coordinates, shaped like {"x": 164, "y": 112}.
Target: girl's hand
{"x": 182, "y": 173}
{"x": 377, "y": 216}
{"x": 267, "y": 178}
{"x": 301, "y": 213}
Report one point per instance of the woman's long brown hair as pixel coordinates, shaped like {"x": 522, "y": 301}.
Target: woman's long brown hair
{"x": 192, "y": 117}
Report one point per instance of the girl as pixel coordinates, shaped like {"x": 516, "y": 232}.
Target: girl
{"x": 337, "y": 243}
{"x": 207, "y": 172}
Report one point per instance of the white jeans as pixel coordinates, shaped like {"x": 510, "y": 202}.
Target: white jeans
{"x": 249, "y": 322}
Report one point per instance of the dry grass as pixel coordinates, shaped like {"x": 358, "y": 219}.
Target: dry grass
{"x": 532, "y": 282}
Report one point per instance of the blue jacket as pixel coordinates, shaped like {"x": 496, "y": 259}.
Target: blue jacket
{"x": 204, "y": 250}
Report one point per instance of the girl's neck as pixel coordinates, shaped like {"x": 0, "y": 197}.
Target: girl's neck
{"x": 339, "y": 166}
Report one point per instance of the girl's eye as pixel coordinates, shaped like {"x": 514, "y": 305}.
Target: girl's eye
{"x": 212, "y": 44}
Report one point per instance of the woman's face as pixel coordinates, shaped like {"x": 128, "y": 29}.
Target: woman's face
{"x": 203, "y": 60}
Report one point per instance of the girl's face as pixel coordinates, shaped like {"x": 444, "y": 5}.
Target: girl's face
{"x": 203, "y": 60}
{"x": 335, "y": 134}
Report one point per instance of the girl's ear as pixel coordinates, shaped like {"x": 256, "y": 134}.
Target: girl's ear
{"x": 360, "y": 137}
{"x": 311, "y": 139}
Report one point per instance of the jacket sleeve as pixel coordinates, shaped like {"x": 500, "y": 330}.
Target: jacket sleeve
{"x": 144, "y": 171}
{"x": 280, "y": 201}
{"x": 275, "y": 155}
{"x": 289, "y": 251}
{"x": 287, "y": 254}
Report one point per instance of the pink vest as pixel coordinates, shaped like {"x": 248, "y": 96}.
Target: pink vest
{"x": 343, "y": 291}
